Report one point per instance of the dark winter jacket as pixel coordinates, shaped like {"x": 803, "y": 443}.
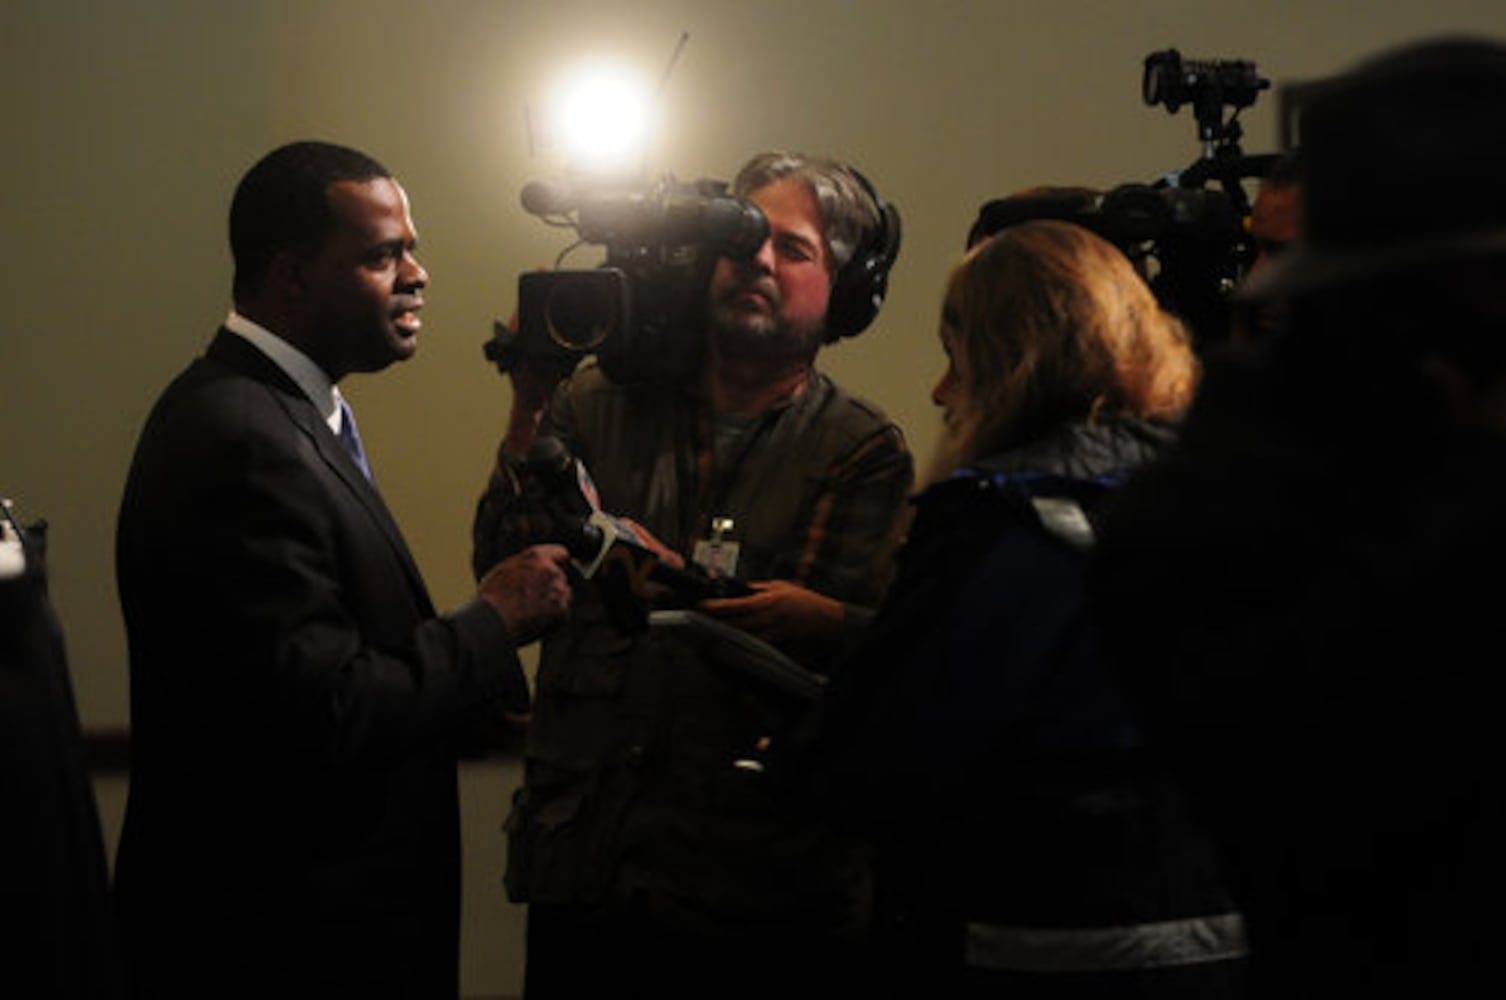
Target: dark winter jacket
{"x": 1022, "y": 825}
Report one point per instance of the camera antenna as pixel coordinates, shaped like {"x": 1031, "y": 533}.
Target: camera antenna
{"x": 669, "y": 68}
{"x": 674, "y": 57}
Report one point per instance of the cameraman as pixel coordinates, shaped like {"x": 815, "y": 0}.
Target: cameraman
{"x": 1325, "y": 534}
{"x": 654, "y": 854}
{"x": 1275, "y": 222}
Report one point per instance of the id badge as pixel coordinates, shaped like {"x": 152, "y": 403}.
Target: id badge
{"x": 717, "y": 555}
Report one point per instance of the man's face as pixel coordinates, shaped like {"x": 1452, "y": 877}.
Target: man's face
{"x": 364, "y": 285}
{"x": 776, "y": 302}
{"x": 1275, "y": 220}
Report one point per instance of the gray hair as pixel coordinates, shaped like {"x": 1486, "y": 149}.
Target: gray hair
{"x": 849, "y": 212}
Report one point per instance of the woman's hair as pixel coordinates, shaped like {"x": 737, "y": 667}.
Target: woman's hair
{"x": 1056, "y": 326}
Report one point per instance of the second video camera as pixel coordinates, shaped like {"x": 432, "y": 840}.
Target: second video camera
{"x": 1185, "y": 232}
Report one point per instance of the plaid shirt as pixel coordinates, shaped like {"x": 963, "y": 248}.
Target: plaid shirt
{"x": 812, "y": 487}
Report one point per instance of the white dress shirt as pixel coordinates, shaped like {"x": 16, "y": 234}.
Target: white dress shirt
{"x": 299, "y": 367}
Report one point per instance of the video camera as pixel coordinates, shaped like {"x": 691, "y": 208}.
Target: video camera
{"x": 1186, "y": 231}
{"x": 642, "y": 311}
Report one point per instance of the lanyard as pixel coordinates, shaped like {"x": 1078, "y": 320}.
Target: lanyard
{"x": 712, "y": 485}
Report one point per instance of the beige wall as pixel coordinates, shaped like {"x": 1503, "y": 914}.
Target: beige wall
{"x": 126, "y": 124}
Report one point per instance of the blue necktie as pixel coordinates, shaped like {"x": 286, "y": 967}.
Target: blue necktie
{"x": 351, "y": 438}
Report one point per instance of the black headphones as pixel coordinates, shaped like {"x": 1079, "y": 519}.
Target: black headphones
{"x": 859, "y": 287}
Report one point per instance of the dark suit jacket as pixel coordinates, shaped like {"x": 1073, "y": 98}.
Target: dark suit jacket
{"x": 296, "y": 708}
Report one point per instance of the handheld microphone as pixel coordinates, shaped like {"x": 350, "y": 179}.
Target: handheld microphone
{"x": 601, "y": 544}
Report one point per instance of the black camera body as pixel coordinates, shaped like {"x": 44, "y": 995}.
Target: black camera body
{"x": 1185, "y": 233}
{"x": 642, "y": 312}
{"x": 1188, "y": 243}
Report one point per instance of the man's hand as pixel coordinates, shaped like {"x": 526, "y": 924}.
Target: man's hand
{"x": 529, "y": 590}
{"x": 533, "y": 385}
{"x": 780, "y": 611}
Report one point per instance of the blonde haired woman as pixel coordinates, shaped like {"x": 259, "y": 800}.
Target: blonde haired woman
{"x": 1049, "y": 332}
{"x": 1026, "y": 845}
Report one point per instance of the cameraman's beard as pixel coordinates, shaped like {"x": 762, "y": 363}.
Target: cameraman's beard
{"x": 739, "y": 333}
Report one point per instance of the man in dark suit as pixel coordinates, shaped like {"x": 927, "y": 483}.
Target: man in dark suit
{"x": 297, "y": 707}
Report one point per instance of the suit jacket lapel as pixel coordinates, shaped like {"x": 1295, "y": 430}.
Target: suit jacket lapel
{"x": 238, "y": 354}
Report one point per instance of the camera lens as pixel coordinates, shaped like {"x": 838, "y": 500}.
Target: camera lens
{"x": 1162, "y": 80}
{"x": 581, "y": 315}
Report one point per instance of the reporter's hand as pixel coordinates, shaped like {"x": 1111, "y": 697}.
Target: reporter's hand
{"x": 780, "y": 611}
{"x": 529, "y": 590}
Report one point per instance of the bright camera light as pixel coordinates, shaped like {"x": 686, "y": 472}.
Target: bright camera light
{"x": 601, "y": 118}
